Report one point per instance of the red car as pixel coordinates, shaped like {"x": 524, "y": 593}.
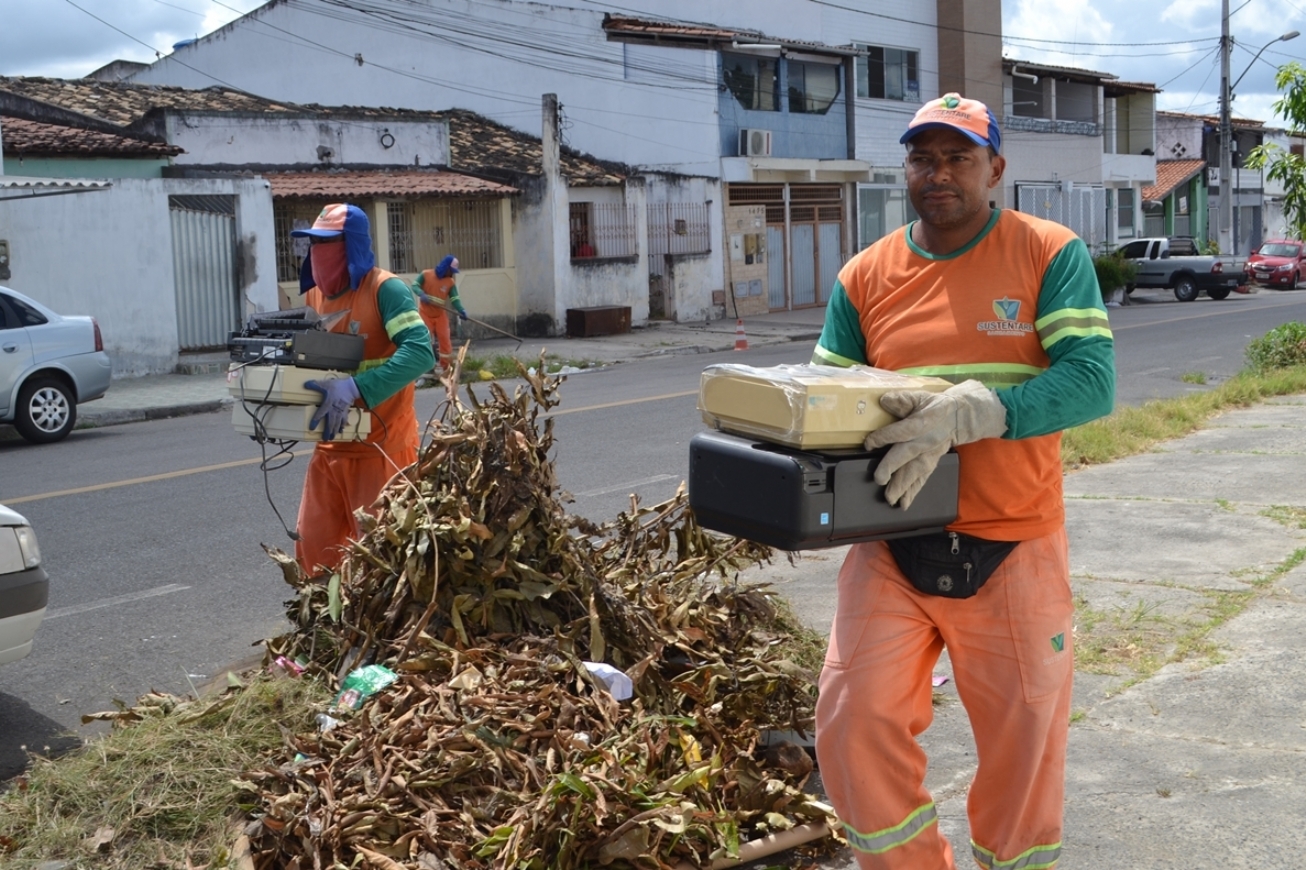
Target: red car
{"x": 1277, "y": 263}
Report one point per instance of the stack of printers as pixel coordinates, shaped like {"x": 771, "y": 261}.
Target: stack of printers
{"x": 784, "y": 462}
{"x": 272, "y": 358}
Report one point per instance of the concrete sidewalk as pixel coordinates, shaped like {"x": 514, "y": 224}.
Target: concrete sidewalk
{"x": 1189, "y": 764}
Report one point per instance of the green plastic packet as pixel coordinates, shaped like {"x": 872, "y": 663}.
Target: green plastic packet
{"x": 362, "y": 683}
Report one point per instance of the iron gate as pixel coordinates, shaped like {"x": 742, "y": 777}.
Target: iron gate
{"x": 1083, "y": 209}
{"x": 204, "y": 269}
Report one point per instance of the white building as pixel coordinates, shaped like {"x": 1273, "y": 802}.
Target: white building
{"x": 1080, "y": 148}
{"x": 773, "y": 125}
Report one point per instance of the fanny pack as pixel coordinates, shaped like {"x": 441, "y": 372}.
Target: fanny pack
{"x": 948, "y": 563}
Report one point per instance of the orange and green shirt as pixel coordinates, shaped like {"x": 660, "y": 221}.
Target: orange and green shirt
{"x": 1018, "y": 309}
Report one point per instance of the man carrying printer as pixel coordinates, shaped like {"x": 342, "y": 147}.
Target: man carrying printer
{"x": 341, "y": 277}
{"x": 1007, "y": 307}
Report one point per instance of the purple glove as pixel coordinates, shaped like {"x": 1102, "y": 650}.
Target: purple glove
{"x": 338, "y": 396}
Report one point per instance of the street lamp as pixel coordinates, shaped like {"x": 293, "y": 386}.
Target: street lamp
{"x": 1228, "y": 243}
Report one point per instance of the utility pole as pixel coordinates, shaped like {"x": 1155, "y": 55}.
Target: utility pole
{"x": 1225, "y": 211}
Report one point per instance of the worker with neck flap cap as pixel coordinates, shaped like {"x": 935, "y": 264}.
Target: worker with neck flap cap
{"x": 436, "y": 291}
{"x": 340, "y": 277}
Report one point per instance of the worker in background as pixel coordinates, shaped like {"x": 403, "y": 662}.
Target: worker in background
{"x": 437, "y": 292}
{"x": 340, "y": 275}
{"x": 1007, "y": 307}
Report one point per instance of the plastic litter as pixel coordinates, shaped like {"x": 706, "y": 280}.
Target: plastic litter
{"x": 362, "y": 683}
{"x": 939, "y": 679}
{"x": 616, "y": 682}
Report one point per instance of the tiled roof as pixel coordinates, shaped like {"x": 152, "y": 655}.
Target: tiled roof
{"x": 123, "y": 103}
{"x": 21, "y": 136}
{"x": 379, "y": 182}
{"x": 484, "y": 147}
{"x": 477, "y": 144}
{"x": 684, "y": 32}
{"x": 1169, "y": 175}
{"x": 1214, "y": 120}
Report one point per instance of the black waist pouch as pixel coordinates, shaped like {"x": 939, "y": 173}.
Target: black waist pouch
{"x": 948, "y": 563}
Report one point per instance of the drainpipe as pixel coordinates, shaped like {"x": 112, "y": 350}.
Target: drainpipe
{"x": 850, "y": 105}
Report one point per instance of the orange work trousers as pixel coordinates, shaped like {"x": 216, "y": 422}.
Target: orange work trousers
{"x": 1011, "y": 652}
{"x": 439, "y": 326}
{"x": 337, "y": 483}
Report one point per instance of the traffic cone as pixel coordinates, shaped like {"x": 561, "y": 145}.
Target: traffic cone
{"x": 741, "y": 340}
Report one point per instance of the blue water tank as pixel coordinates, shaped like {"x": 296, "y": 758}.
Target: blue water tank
{"x": 184, "y": 42}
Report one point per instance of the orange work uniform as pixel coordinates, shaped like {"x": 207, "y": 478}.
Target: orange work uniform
{"x": 436, "y": 317}
{"x": 344, "y": 476}
{"x": 1019, "y": 310}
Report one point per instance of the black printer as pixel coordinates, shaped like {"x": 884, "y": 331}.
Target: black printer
{"x": 796, "y": 499}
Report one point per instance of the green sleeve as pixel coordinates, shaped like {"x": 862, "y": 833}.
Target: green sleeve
{"x": 455, "y": 301}
{"x": 412, "y": 357}
{"x": 1080, "y": 381}
{"x": 842, "y": 342}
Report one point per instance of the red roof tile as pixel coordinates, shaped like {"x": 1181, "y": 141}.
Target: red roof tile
{"x": 21, "y": 137}
{"x": 380, "y": 182}
{"x": 1169, "y": 175}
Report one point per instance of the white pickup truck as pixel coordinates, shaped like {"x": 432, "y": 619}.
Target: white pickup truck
{"x": 1175, "y": 263}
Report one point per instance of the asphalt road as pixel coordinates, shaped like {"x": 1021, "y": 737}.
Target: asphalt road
{"x": 152, "y": 531}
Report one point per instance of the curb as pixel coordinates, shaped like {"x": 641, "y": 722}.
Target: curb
{"x": 96, "y": 419}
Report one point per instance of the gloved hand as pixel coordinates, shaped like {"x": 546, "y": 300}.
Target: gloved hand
{"x": 338, "y": 396}
{"x": 462, "y": 315}
{"x": 931, "y": 424}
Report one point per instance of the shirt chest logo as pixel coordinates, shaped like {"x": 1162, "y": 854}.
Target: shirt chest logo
{"x": 1008, "y": 319}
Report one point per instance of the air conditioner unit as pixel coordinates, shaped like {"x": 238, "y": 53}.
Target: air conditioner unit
{"x": 755, "y": 143}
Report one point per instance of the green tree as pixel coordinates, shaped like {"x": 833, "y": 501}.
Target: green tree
{"x": 1286, "y": 168}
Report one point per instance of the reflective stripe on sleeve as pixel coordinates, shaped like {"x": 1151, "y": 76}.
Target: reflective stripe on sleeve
{"x": 988, "y": 374}
{"x": 368, "y": 364}
{"x": 1072, "y": 323}
{"x": 891, "y": 838}
{"x": 1037, "y": 858}
{"x": 405, "y": 320}
{"x": 823, "y": 357}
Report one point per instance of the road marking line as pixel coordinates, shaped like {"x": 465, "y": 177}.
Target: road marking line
{"x": 1222, "y": 312}
{"x": 657, "y": 478}
{"x": 167, "y": 475}
{"x": 115, "y": 601}
{"x": 1152, "y": 371}
{"x": 623, "y": 402}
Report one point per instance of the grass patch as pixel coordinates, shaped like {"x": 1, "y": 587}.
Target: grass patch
{"x": 159, "y": 793}
{"x": 1130, "y": 430}
{"x": 1193, "y": 377}
{"x": 1136, "y": 642}
{"x": 1292, "y": 517}
{"x": 504, "y": 366}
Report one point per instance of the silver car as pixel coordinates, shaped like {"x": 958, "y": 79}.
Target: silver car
{"x": 49, "y": 364}
{"x": 24, "y": 587}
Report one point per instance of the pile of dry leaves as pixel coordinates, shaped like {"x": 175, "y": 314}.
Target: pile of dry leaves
{"x": 497, "y": 747}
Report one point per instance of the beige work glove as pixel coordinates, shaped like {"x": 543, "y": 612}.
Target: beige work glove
{"x": 930, "y": 424}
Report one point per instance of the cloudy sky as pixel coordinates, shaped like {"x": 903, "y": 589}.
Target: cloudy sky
{"x": 1170, "y": 43}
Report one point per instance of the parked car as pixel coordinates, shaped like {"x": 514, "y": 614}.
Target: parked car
{"x": 24, "y": 587}
{"x": 1277, "y": 263}
{"x": 49, "y": 364}
{"x": 1177, "y": 264}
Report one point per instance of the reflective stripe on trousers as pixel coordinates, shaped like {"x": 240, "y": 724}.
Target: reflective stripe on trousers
{"x": 889, "y": 838}
{"x": 1037, "y": 858}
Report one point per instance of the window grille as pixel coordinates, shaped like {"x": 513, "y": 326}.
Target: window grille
{"x": 467, "y": 228}
{"x": 602, "y": 229}
{"x": 399, "y": 215}
{"x": 676, "y": 228}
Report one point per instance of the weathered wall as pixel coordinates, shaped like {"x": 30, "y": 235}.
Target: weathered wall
{"x": 690, "y": 285}
{"x": 237, "y": 140}
{"x": 108, "y": 254}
